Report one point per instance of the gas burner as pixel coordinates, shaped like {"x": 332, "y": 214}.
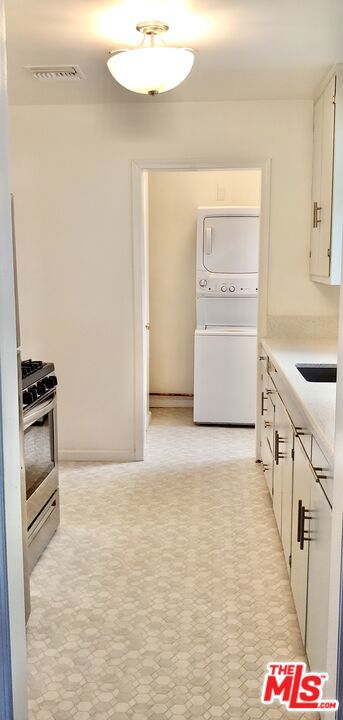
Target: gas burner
{"x": 30, "y": 366}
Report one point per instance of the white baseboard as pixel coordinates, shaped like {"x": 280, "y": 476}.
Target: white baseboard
{"x": 171, "y": 401}
{"x": 116, "y": 456}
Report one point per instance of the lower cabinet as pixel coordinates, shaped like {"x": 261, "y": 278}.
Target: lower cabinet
{"x": 283, "y": 455}
{"x": 267, "y": 430}
{"x": 278, "y": 464}
{"x": 311, "y": 537}
{"x": 318, "y": 578}
{"x": 299, "y": 481}
{"x": 302, "y": 479}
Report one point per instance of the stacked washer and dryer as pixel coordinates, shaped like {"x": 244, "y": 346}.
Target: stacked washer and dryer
{"x": 226, "y": 314}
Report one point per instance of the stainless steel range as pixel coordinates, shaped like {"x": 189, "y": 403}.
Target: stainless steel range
{"x": 39, "y": 384}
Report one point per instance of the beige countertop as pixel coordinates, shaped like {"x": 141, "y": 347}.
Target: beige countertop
{"x": 317, "y": 400}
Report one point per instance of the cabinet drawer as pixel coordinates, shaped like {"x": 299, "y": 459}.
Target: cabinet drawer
{"x": 295, "y": 414}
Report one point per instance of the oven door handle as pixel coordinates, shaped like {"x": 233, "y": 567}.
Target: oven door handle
{"x": 38, "y": 412}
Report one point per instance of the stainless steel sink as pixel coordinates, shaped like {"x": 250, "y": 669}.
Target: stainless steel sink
{"x": 318, "y": 373}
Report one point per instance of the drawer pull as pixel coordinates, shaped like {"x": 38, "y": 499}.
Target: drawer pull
{"x": 301, "y": 532}
{"x": 277, "y": 442}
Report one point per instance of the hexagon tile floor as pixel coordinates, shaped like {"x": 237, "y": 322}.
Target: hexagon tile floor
{"x": 164, "y": 592}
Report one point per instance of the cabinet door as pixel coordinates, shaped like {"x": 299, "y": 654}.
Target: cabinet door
{"x": 318, "y": 579}
{"x": 301, "y": 502}
{"x": 267, "y": 429}
{"x": 316, "y": 181}
{"x": 284, "y": 455}
{"x": 278, "y": 457}
{"x": 322, "y": 178}
{"x": 267, "y": 461}
{"x": 325, "y": 214}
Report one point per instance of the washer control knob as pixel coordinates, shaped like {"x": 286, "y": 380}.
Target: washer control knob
{"x": 232, "y": 288}
{"x": 223, "y": 288}
{"x": 203, "y": 283}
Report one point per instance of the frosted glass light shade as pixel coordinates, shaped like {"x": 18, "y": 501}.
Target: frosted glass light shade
{"x": 151, "y": 70}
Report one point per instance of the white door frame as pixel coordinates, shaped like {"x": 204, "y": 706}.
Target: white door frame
{"x": 140, "y": 170}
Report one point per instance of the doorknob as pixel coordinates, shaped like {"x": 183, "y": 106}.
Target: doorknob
{"x": 147, "y": 326}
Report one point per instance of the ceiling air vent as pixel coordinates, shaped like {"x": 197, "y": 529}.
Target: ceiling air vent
{"x": 56, "y": 72}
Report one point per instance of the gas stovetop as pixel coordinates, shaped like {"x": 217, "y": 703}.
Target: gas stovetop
{"x": 38, "y": 381}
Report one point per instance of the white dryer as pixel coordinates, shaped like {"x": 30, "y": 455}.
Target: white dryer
{"x": 226, "y": 304}
{"x": 227, "y": 244}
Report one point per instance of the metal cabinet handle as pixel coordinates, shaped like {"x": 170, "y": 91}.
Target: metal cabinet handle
{"x": 316, "y": 219}
{"x": 301, "y": 532}
{"x": 262, "y": 404}
{"x": 299, "y": 521}
{"x": 299, "y": 431}
{"x": 277, "y": 442}
{"x": 267, "y": 424}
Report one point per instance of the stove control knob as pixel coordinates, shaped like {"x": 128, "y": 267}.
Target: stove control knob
{"x": 223, "y": 288}
{"x": 27, "y": 397}
{"x": 232, "y": 288}
{"x": 50, "y": 381}
{"x": 203, "y": 283}
{"x": 41, "y": 387}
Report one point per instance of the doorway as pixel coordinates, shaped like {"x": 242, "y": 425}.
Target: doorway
{"x": 165, "y": 200}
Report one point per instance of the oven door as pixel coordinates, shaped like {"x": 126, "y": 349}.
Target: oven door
{"x": 40, "y": 456}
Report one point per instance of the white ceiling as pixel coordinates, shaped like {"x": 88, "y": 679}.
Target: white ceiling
{"x": 247, "y": 49}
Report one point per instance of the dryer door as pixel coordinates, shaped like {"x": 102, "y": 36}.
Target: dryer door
{"x": 231, "y": 244}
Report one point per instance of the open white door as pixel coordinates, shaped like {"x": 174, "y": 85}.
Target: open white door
{"x": 13, "y": 700}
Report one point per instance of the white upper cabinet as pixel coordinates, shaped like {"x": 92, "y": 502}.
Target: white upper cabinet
{"x": 327, "y": 182}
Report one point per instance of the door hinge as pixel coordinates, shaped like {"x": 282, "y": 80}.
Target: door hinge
{"x": 329, "y": 252}
{"x": 334, "y": 100}
{"x": 310, "y": 254}
{"x": 292, "y": 454}
{"x": 290, "y": 561}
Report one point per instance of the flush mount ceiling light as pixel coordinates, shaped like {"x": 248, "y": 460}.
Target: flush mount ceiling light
{"x": 152, "y": 67}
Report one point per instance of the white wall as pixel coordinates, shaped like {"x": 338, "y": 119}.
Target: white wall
{"x": 173, "y": 201}
{"x": 72, "y": 179}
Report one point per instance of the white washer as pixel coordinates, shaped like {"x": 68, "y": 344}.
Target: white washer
{"x": 225, "y": 375}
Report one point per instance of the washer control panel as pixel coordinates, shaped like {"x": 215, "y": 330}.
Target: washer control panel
{"x": 208, "y": 286}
